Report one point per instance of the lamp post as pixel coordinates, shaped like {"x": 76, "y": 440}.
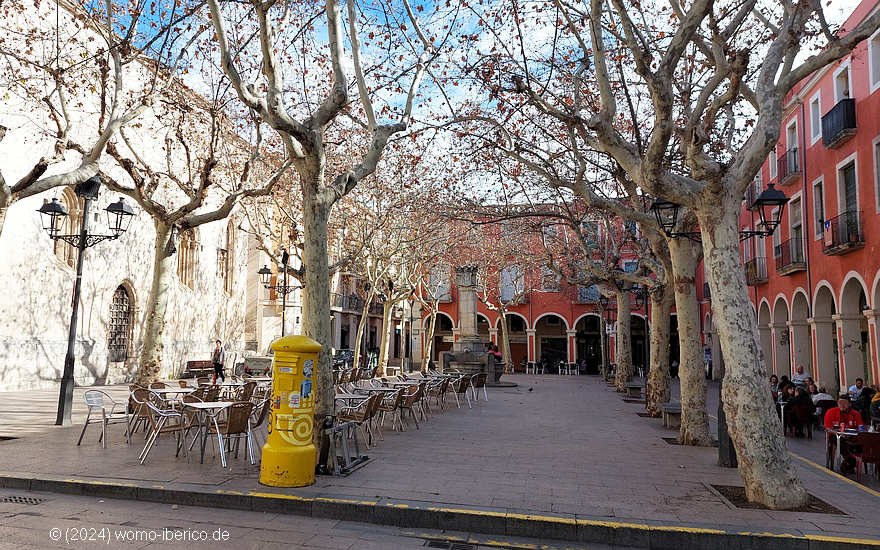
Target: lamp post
{"x": 284, "y": 289}
{"x": 771, "y": 198}
{"x": 119, "y": 216}
{"x": 667, "y": 213}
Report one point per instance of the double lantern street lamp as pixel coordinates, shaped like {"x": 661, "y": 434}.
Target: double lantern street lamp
{"x": 667, "y": 215}
{"x": 769, "y": 200}
{"x": 284, "y": 288}
{"x": 119, "y": 216}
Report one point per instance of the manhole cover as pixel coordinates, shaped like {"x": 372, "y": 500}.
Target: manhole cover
{"x": 446, "y": 545}
{"x": 22, "y": 500}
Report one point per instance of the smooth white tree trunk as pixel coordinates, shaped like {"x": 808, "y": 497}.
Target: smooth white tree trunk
{"x": 150, "y": 369}
{"x": 316, "y": 294}
{"x": 429, "y": 346}
{"x": 694, "y": 419}
{"x": 623, "y": 347}
{"x": 362, "y": 327}
{"x": 385, "y": 344}
{"x": 657, "y": 387}
{"x": 505, "y": 344}
{"x": 764, "y": 464}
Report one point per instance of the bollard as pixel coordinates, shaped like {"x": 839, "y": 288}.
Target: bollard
{"x": 289, "y": 453}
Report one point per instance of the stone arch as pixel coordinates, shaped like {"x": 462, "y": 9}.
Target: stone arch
{"x": 552, "y": 313}
{"x": 781, "y": 337}
{"x": 825, "y": 355}
{"x": 510, "y": 314}
{"x": 639, "y": 343}
{"x": 801, "y": 341}
{"x": 588, "y": 342}
{"x": 828, "y": 304}
{"x": 483, "y": 325}
{"x": 764, "y": 320}
{"x": 852, "y": 327}
{"x": 551, "y": 339}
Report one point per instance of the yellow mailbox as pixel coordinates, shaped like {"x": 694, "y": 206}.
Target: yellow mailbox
{"x": 289, "y": 454}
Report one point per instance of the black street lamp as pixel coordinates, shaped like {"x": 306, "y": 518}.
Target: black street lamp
{"x": 119, "y": 216}
{"x": 284, "y": 289}
{"x": 667, "y": 215}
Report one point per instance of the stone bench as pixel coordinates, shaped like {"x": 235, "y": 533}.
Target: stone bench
{"x": 634, "y": 390}
{"x": 671, "y": 415}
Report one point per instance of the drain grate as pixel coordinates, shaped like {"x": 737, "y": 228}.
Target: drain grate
{"x": 446, "y": 545}
{"x": 22, "y": 500}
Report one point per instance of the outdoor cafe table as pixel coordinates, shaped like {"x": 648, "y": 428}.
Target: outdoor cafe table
{"x": 208, "y": 411}
{"x": 164, "y": 391}
{"x": 388, "y": 390}
{"x": 350, "y": 396}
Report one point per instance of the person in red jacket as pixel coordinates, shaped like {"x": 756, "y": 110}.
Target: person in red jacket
{"x": 839, "y": 418}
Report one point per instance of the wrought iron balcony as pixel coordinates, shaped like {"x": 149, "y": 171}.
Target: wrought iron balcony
{"x": 789, "y": 166}
{"x": 377, "y": 308}
{"x": 839, "y": 124}
{"x": 336, "y": 300}
{"x": 707, "y": 295}
{"x": 789, "y": 256}
{"x": 756, "y": 271}
{"x": 843, "y": 233}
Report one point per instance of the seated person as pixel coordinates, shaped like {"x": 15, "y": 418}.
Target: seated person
{"x": 792, "y": 410}
{"x": 799, "y": 376}
{"x": 856, "y": 389}
{"x": 875, "y": 406}
{"x": 786, "y": 392}
{"x": 774, "y": 386}
{"x": 812, "y": 389}
{"x": 809, "y": 380}
{"x": 844, "y": 417}
{"x": 863, "y": 402}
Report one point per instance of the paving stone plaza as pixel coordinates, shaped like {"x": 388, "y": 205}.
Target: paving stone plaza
{"x": 555, "y": 458}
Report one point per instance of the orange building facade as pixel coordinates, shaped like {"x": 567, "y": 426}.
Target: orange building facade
{"x": 815, "y": 284}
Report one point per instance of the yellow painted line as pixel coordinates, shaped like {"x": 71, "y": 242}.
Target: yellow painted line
{"x": 835, "y": 474}
{"x": 345, "y": 501}
{"x": 646, "y": 527}
{"x": 225, "y": 492}
{"x": 92, "y": 482}
{"x": 471, "y": 512}
{"x": 867, "y": 542}
{"x": 279, "y": 495}
{"x": 552, "y": 519}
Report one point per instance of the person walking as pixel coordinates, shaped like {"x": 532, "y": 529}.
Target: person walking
{"x": 218, "y": 358}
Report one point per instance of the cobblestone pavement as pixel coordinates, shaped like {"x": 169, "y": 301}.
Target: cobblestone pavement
{"x": 560, "y": 445}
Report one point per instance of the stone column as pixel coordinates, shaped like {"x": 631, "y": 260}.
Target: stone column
{"x": 530, "y": 339}
{"x": 781, "y": 355}
{"x": 849, "y": 348}
{"x": 572, "y": 347}
{"x": 337, "y": 329}
{"x": 873, "y": 354}
{"x": 800, "y": 347}
{"x": 825, "y": 361}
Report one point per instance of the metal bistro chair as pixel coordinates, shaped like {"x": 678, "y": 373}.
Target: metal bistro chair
{"x": 236, "y": 425}
{"x": 163, "y": 420}
{"x": 460, "y": 386}
{"x": 478, "y": 381}
{"x": 95, "y": 399}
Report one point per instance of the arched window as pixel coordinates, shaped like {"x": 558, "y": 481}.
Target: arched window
{"x": 187, "y": 257}
{"x": 70, "y": 226}
{"x": 120, "y": 325}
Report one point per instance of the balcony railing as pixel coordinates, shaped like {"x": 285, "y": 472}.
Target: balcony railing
{"x": 707, "y": 295}
{"x": 756, "y": 271}
{"x": 789, "y": 256}
{"x": 843, "y": 233}
{"x": 789, "y": 166}
{"x": 377, "y": 308}
{"x": 336, "y": 300}
{"x": 839, "y": 124}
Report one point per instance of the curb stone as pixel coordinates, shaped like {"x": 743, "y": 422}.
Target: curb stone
{"x": 425, "y": 515}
